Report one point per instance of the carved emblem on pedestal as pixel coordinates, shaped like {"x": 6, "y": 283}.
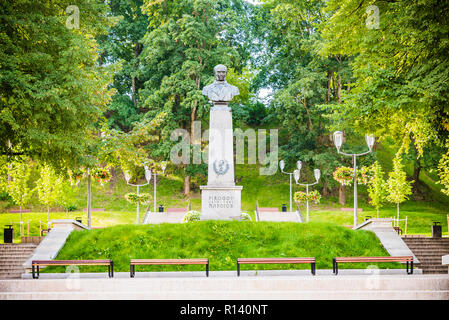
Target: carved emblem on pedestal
{"x": 221, "y": 167}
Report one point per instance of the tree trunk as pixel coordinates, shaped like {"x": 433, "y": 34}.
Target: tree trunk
{"x": 339, "y": 88}
{"x": 325, "y": 189}
{"x": 186, "y": 185}
{"x": 416, "y": 172}
{"x": 398, "y": 214}
{"x": 342, "y": 195}
{"x": 137, "y": 51}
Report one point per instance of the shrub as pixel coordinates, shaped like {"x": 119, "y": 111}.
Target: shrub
{"x": 142, "y": 198}
{"x": 192, "y": 216}
{"x": 245, "y": 216}
{"x": 301, "y": 197}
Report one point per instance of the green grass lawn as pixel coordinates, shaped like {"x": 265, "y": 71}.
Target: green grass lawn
{"x": 222, "y": 242}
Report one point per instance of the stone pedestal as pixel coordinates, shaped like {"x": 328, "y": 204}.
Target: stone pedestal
{"x": 221, "y": 198}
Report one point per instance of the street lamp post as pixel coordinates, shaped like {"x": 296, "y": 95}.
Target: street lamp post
{"x": 338, "y": 141}
{"x": 282, "y": 166}
{"x": 317, "y": 175}
{"x": 155, "y": 178}
{"x": 147, "y": 177}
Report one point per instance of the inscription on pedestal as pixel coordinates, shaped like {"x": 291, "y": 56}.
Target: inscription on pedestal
{"x": 224, "y": 202}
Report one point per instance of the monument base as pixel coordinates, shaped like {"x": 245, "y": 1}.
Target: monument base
{"x": 220, "y": 202}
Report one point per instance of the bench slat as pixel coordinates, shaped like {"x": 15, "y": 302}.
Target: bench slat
{"x": 274, "y": 260}
{"x": 372, "y": 259}
{"x": 168, "y": 261}
{"x": 71, "y": 262}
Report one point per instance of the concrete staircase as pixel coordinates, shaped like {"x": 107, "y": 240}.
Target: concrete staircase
{"x": 12, "y": 257}
{"x": 429, "y": 252}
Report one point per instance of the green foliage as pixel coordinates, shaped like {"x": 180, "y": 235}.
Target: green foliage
{"x": 141, "y": 198}
{"x": 192, "y": 216}
{"x": 245, "y": 216}
{"x": 301, "y": 197}
{"x": 18, "y": 188}
{"x": 344, "y": 175}
{"x": 377, "y": 189}
{"x": 52, "y": 91}
{"x": 398, "y": 90}
{"x": 399, "y": 188}
{"x": 122, "y": 45}
{"x": 48, "y": 186}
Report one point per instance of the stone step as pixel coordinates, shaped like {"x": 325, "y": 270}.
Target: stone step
{"x": 230, "y": 295}
{"x": 123, "y": 283}
{"x": 10, "y": 276}
{"x": 16, "y": 250}
{"x": 445, "y": 247}
{"x": 15, "y": 256}
{"x": 430, "y": 252}
{"x": 13, "y": 270}
{"x": 6, "y": 262}
{"x": 430, "y": 246}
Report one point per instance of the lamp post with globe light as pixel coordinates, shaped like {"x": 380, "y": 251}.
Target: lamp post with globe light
{"x": 317, "y": 175}
{"x": 282, "y": 166}
{"x": 338, "y": 141}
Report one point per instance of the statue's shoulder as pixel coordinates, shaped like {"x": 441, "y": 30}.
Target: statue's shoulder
{"x": 208, "y": 88}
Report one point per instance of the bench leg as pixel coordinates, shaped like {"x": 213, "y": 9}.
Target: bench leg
{"x": 37, "y": 268}
{"x": 32, "y": 270}
{"x": 312, "y": 265}
{"x": 207, "y": 270}
{"x": 111, "y": 270}
{"x": 131, "y": 271}
{"x": 410, "y": 270}
{"x": 335, "y": 266}
{"x": 238, "y": 270}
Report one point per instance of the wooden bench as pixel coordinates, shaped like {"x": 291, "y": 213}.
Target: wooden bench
{"x": 408, "y": 259}
{"x": 147, "y": 262}
{"x": 37, "y": 263}
{"x": 275, "y": 260}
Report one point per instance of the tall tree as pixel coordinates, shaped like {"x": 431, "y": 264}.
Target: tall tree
{"x": 52, "y": 89}
{"x": 123, "y": 44}
{"x": 187, "y": 39}
{"x": 303, "y": 81}
{"x": 400, "y": 65}
{"x": 377, "y": 187}
{"x": 398, "y": 187}
{"x": 18, "y": 188}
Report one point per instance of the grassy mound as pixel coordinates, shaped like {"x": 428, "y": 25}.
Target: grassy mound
{"x": 222, "y": 242}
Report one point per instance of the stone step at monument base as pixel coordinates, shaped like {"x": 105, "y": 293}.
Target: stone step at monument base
{"x": 246, "y": 286}
{"x": 163, "y": 217}
{"x": 279, "y": 216}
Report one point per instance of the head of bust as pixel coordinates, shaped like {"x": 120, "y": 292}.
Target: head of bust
{"x": 220, "y": 72}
